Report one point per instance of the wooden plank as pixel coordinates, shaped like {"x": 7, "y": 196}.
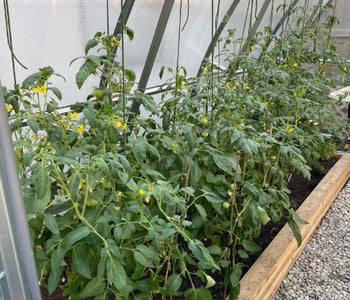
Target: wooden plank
{"x": 265, "y": 276}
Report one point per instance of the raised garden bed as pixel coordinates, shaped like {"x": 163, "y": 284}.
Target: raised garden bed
{"x": 266, "y": 274}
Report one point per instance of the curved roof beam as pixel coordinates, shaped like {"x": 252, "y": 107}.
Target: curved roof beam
{"x": 217, "y": 34}
{"x": 255, "y": 26}
{"x": 122, "y": 20}
{"x": 153, "y": 50}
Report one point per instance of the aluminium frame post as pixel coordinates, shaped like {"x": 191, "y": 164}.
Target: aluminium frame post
{"x": 19, "y": 275}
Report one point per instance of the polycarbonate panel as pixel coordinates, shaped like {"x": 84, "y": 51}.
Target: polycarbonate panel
{"x": 53, "y": 32}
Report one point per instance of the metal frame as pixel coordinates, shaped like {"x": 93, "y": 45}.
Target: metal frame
{"x": 217, "y": 34}
{"x": 122, "y": 20}
{"x": 19, "y": 280}
{"x": 153, "y": 50}
{"x": 255, "y": 26}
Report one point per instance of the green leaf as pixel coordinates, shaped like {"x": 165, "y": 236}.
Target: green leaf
{"x": 116, "y": 273}
{"x": 297, "y": 218}
{"x": 201, "y": 211}
{"x": 147, "y": 102}
{"x": 141, "y": 259}
{"x": 90, "y": 44}
{"x": 209, "y": 280}
{"x": 263, "y": 216}
{"x": 226, "y": 163}
{"x": 295, "y": 229}
{"x": 80, "y": 260}
{"x": 75, "y": 236}
{"x": 88, "y": 68}
{"x": 129, "y": 32}
{"x": 198, "y": 294}
{"x": 250, "y": 246}
{"x": 248, "y": 146}
{"x": 50, "y": 222}
{"x": 56, "y": 92}
{"x": 195, "y": 173}
{"x": 173, "y": 284}
{"x": 33, "y": 124}
{"x": 235, "y": 275}
{"x": 94, "y": 287}
{"x": 42, "y": 186}
{"x": 31, "y": 79}
{"x": 130, "y": 74}
{"x": 56, "y": 268}
{"x": 242, "y": 253}
{"x": 146, "y": 286}
{"x": 148, "y": 252}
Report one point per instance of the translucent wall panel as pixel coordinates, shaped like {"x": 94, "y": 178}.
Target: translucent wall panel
{"x": 53, "y": 32}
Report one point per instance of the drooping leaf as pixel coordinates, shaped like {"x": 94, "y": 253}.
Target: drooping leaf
{"x": 226, "y": 163}
{"x": 56, "y": 92}
{"x": 94, "y": 287}
{"x": 173, "y": 284}
{"x": 295, "y": 229}
{"x": 90, "y": 44}
{"x": 263, "y": 216}
{"x": 88, "y": 68}
{"x": 75, "y": 236}
{"x": 201, "y": 211}
{"x": 250, "y": 246}
{"x": 50, "y": 222}
{"x": 80, "y": 261}
{"x": 116, "y": 273}
{"x": 33, "y": 124}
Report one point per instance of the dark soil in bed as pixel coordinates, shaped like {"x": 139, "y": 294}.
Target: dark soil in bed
{"x": 300, "y": 188}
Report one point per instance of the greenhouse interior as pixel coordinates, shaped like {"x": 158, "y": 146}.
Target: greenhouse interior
{"x": 174, "y": 149}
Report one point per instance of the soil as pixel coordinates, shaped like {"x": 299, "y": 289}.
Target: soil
{"x": 300, "y": 188}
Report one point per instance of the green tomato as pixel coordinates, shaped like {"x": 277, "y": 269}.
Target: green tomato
{"x": 205, "y": 133}
{"x": 203, "y": 120}
{"x": 91, "y": 202}
{"x": 226, "y": 205}
{"x": 98, "y": 93}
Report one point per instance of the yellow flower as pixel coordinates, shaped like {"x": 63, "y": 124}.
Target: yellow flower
{"x": 39, "y": 89}
{"x": 206, "y": 70}
{"x": 80, "y": 129}
{"x": 147, "y": 199}
{"x": 174, "y": 144}
{"x": 295, "y": 65}
{"x": 9, "y": 107}
{"x": 73, "y": 115}
{"x": 182, "y": 86}
{"x": 115, "y": 41}
{"x": 141, "y": 192}
{"x": 80, "y": 186}
{"x": 119, "y": 194}
{"x": 289, "y": 128}
{"x": 124, "y": 126}
{"x": 117, "y": 123}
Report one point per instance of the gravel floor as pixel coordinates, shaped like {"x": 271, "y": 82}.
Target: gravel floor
{"x": 322, "y": 272}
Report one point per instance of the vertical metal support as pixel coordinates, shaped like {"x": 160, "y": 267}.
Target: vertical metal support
{"x": 255, "y": 26}
{"x": 153, "y": 50}
{"x": 19, "y": 275}
{"x": 122, "y": 20}
{"x": 217, "y": 34}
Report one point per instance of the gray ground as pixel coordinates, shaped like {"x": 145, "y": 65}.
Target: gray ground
{"x": 322, "y": 271}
